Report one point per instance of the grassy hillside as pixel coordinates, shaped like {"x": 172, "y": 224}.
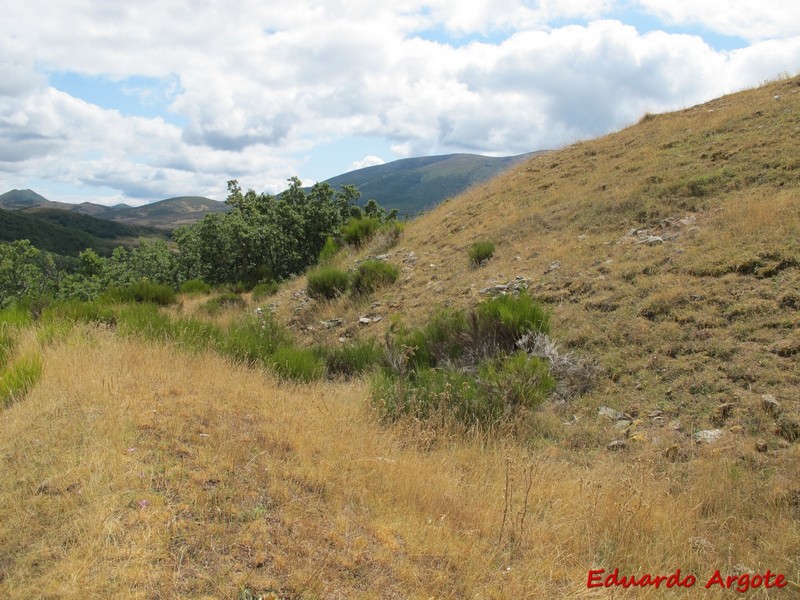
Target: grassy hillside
{"x": 669, "y": 257}
{"x": 415, "y": 184}
{"x": 23, "y": 199}
{"x": 68, "y": 233}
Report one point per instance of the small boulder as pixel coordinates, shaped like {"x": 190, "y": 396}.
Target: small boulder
{"x": 610, "y": 413}
{"x": 770, "y": 405}
{"x": 708, "y": 436}
{"x": 617, "y": 445}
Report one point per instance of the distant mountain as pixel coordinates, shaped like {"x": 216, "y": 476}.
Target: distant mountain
{"x": 165, "y": 214}
{"x": 23, "y": 199}
{"x": 169, "y": 213}
{"x": 68, "y": 233}
{"x": 412, "y": 185}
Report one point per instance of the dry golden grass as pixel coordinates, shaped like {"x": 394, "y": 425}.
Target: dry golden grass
{"x": 160, "y": 475}
{"x": 136, "y": 471}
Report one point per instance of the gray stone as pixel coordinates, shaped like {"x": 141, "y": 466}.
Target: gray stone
{"x": 708, "y": 436}
{"x": 770, "y": 405}
{"x": 610, "y": 413}
{"x": 617, "y": 445}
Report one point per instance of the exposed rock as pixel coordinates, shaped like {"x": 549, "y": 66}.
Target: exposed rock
{"x": 770, "y": 405}
{"x": 708, "y": 436}
{"x": 654, "y": 413}
{"x": 622, "y": 424}
{"x": 556, "y": 264}
{"x": 364, "y": 320}
{"x": 516, "y": 286}
{"x": 617, "y": 445}
{"x": 611, "y": 413}
{"x": 331, "y": 323}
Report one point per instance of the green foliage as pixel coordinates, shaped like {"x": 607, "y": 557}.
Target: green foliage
{"x": 23, "y": 272}
{"x": 358, "y": 231}
{"x": 481, "y": 251}
{"x": 329, "y": 250}
{"x": 301, "y": 364}
{"x": 78, "y": 311}
{"x": 518, "y": 380}
{"x": 195, "y": 286}
{"x": 353, "y": 359}
{"x": 19, "y": 378}
{"x": 263, "y": 290}
{"x": 372, "y": 274}
{"x": 466, "y": 366}
{"x": 503, "y": 320}
{"x": 253, "y": 340}
{"x": 142, "y": 291}
{"x": 222, "y": 302}
{"x": 325, "y": 283}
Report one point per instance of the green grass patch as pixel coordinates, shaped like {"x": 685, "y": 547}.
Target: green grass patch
{"x": 142, "y": 292}
{"x": 326, "y": 283}
{"x": 329, "y": 250}
{"x": 480, "y": 251}
{"x": 265, "y": 289}
{"x": 195, "y": 287}
{"x": 357, "y": 231}
{"x": 300, "y": 364}
{"x": 19, "y": 379}
{"x": 353, "y": 359}
{"x": 371, "y": 275}
{"x": 224, "y": 301}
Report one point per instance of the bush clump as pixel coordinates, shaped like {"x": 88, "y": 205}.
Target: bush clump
{"x": 222, "y": 302}
{"x": 372, "y": 274}
{"x": 325, "y": 283}
{"x": 359, "y": 230}
{"x": 352, "y": 359}
{"x": 481, "y": 251}
{"x": 143, "y": 291}
{"x": 466, "y": 365}
{"x": 300, "y": 364}
{"x": 195, "y": 286}
{"x": 329, "y": 250}
{"x": 265, "y": 289}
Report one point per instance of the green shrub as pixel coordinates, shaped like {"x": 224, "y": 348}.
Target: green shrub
{"x": 372, "y": 274}
{"x": 501, "y": 321}
{"x": 357, "y": 231}
{"x": 145, "y": 320}
{"x": 518, "y": 380}
{"x": 388, "y": 235}
{"x": 82, "y": 312}
{"x": 19, "y": 379}
{"x": 325, "y": 283}
{"x": 265, "y": 289}
{"x": 352, "y": 359}
{"x": 481, "y": 251}
{"x": 328, "y": 251}
{"x": 143, "y": 291}
{"x": 195, "y": 286}
{"x": 301, "y": 364}
{"x": 224, "y": 301}
{"x": 253, "y": 340}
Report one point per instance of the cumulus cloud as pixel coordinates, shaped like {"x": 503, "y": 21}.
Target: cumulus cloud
{"x": 367, "y": 161}
{"x": 257, "y": 86}
{"x": 741, "y": 18}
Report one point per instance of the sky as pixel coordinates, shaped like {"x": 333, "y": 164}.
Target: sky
{"x": 112, "y": 101}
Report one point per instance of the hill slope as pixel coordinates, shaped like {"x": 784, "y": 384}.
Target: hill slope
{"x": 669, "y": 253}
{"x": 414, "y": 184}
{"x": 169, "y": 213}
{"x": 68, "y": 233}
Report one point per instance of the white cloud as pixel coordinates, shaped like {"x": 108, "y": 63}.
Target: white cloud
{"x": 367, "y": 161}
{"x": 257, "y": 86}
{"x": 741, "y": 18}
